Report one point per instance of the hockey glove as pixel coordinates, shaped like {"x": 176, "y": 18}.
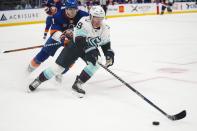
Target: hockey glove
{"x": 92, "y": 56}
{"x": 109, "y": 58}
{"x": 68, "y": 33}
{"x": 50, "y": 10}
{"x": 64, "y": 40}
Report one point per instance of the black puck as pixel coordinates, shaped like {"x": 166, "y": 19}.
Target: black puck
{"x": 156, "y": 123}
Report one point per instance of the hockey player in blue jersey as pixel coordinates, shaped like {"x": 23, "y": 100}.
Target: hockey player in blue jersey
{"x": 54, "y": 3}
{"x": 64, "y": 20}
{"x": 51, "y": 7}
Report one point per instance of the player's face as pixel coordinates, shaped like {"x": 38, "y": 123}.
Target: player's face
{"x": 71, "y": 12}
{"x": 97, "y": 21}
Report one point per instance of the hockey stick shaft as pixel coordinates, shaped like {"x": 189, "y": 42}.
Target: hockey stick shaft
{"x": 22, "y": 49}
{"x": 32, "y": 47}
{"x": 175, "y": 117}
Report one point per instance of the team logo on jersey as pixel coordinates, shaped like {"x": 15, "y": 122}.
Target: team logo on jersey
{"x": 3, "y": 18}
{"x": 94, "y": 41}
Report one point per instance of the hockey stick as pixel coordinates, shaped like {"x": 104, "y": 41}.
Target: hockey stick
{"x": 32, "y": 47}
{"x": 22, "y": 49}
{"x": 178, "y": 116}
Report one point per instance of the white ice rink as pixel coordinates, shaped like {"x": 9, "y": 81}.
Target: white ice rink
{"x": 157, "y": 55}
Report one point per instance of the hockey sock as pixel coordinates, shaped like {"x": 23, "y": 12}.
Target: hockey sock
{"x": 46, "y": 75}
{"x": 42, "y": 77}
{"x": 34, "y": 63}
{"x": 84, "y": 76}
{"x": 88, "y": 72}
{"x": 41, "y": 56}
{"x": 38, "y": 59}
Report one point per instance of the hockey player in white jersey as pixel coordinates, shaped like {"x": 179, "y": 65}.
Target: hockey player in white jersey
{"x": 90, "y": 33}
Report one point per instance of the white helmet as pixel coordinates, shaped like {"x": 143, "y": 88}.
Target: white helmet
{"x": 97, "y": 11}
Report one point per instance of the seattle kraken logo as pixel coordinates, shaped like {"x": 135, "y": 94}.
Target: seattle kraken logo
{"x": 94, "y": 41}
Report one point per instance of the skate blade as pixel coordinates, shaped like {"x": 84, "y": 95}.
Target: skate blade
{"x": 79, "y": 95}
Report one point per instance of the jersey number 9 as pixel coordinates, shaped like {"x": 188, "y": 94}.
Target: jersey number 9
{"x": 79, "y": 25}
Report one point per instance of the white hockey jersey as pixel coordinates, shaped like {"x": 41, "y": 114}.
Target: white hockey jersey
{"x": 95, "y": 37}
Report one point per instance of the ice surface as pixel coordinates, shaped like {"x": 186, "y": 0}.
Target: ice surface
{"x": 157, "y": 55}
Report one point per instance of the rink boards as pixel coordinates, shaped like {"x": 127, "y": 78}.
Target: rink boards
{"x": 34, "y": 16}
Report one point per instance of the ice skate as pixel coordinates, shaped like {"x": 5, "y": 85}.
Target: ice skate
{"x": 34, "y": 85}
{"x": 77, "y": 88}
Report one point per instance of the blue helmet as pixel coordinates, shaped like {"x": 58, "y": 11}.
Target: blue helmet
{"x": 71, "y": 4}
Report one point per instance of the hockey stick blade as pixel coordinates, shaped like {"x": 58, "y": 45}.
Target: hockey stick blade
{"x": 178, "y": 116}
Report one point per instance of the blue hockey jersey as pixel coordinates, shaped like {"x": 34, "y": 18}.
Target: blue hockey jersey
{"x": 61, "y": 22}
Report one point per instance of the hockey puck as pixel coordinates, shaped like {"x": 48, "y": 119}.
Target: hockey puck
{"x": 156, "y": 123}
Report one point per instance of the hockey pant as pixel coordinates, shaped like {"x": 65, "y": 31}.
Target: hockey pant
{"x": 66, "y": 59}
